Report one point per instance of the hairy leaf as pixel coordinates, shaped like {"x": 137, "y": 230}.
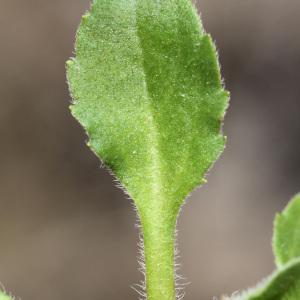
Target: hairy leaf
{"x": 286, "y": 241}
{"x": 147, "y": 89}
{"x": 284, "y": 284}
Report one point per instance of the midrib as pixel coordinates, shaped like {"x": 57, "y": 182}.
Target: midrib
{"x": 153, "y": 142}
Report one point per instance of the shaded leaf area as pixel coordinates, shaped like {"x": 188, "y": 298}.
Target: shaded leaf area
{"x": 147, "y": 89}
{"x": 286, "y": 242}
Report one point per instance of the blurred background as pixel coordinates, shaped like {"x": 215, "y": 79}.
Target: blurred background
{"x": 66, "y": 231}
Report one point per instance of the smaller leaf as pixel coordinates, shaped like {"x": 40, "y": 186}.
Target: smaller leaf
{"x": 4, "y": 296}
{"x": 286, "y": 240}
{"x": 284, "y": 284}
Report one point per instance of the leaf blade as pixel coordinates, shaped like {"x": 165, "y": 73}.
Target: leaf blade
{"x": 4, "y": 296}
{"x": 286, "y": 240}
{"x": 284, "y": 284}
{"x": 146, "y": 72}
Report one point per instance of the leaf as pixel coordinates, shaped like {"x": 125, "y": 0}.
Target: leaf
{"x": 147, "y": 89}
{"x": 3, "y": 296}
{"x": 286, "y": 241}
{"x": 284, "y": 284}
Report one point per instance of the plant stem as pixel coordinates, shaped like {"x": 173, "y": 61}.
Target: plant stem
{"x": 159, "y": 237}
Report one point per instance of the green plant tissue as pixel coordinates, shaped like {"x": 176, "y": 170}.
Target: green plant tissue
{"x": 4, "y": 296}
{"x": 147, "y": 89}
{"x": 286, "y": 241}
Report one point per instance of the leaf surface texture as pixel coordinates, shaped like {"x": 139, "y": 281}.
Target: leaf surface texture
{"x": 286, "y": 242}
{"x": 147, "y": 89}
{"x": 284, "y": 284}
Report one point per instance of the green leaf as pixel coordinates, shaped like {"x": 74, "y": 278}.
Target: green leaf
{"x": 286, "y": 240}
{"x": 3, "y": 296}
{"x": 147, "y": 89}
{"x": 284, "y": 284}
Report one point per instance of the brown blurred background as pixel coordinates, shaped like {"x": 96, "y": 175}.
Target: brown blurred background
{"x": 66, "y": 231}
